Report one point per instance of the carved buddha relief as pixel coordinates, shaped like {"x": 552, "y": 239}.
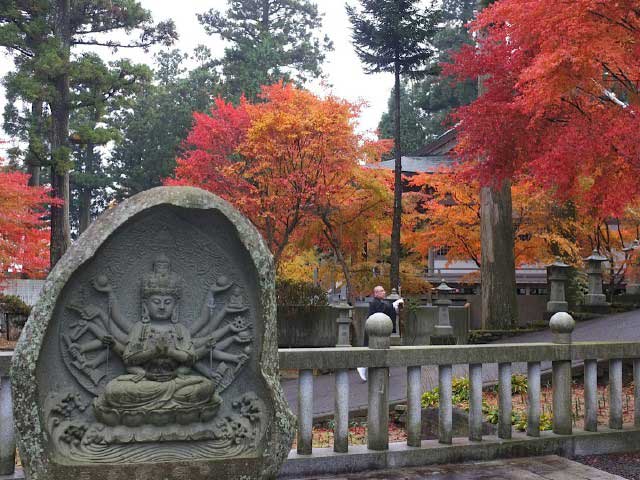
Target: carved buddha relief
{"x": 154, "y": 369}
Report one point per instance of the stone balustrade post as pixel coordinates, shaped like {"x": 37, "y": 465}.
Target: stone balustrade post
{"x": 593, "y": 264}
{"x": 379, "y": 328}
{"x": 7, "y": 431}
{"x": 345, "y": 314}
{"x": 562, "y": 325}
{"x": 557, "y": 276}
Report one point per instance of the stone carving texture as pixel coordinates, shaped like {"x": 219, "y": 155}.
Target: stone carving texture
{"x": 153, "y": 349}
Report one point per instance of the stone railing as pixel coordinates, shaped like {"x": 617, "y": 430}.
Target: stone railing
{"x": 379, "y": 357}
{"x": 562, "y": 354}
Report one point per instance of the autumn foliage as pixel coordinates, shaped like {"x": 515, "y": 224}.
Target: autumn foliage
{"x": 561, "y": 101}
{"x": 291, "y": 162}
{"x": 24, "y": 234}
{"x": 445, "y": 211}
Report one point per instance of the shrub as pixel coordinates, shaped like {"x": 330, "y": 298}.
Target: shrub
{"x": 430, "y": 398}
{"x": 459, "y": 390}
{"x": 519, "y": 384}
{"x": 14, "y": 305}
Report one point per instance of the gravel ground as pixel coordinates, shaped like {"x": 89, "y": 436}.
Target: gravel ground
{"x": 625, "y": 465}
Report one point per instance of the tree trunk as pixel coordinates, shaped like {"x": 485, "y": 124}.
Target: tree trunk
{"x": 397, "y": 190}
{"x": 85, "y": 209}
{"x": 86, "y": 191}
{"x": 60, "y": 229}
{"x": 334, "y": 242}
{"x": 35, "y": 144}
{"x": 497, "y": 269}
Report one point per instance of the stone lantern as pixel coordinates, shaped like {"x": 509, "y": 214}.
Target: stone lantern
{"x": 443, "y": 334}
{"x": 345, "y": 312}
{"x": 593, "y": 264}
{"x": 557, "y": 275}
{"x": 392, "y": 297}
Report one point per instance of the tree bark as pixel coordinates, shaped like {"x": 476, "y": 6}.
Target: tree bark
{"x": 60, "y": 228}
{"x": 35, "y": 143}
{"x": 85, "y": 209}
{"x": 497, "y": 269}
{"x": 397, "y": 189}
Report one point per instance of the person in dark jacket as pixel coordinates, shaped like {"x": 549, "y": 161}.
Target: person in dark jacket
{"x": 380, "y": 305}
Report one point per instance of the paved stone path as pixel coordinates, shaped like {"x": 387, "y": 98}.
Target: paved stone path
{"x": 533, "y": 468}
{"x": 619, "y": 327}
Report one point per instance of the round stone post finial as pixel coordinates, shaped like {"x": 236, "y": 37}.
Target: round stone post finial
{"x": 379, "y": 327}
{"x": 562, "y": 325}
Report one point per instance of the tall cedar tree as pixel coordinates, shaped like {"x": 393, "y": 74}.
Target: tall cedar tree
{"x": 43, "y": 34}
{"x": 394, "y": 36}
{"x": 429, "y": 101}
{"x": 271, "y": 40}
{"x": 159, "y": 120}
{"x": 98, "y": 92}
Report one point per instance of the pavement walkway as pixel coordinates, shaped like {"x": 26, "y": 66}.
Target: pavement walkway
{"x": 618, "y": 327}
{"x": 550, "y": 467}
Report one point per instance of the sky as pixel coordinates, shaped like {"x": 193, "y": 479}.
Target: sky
{"x": 345, "y": 76}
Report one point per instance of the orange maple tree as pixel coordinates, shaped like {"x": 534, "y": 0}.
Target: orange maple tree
{"x": 561, "y": 100}
{"x": 290, "y": 162}
{"x": 24, "y": 234}
{"x": 445, "y": 212}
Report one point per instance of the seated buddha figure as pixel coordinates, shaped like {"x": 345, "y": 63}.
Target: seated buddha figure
{"x": 160, "y": 387}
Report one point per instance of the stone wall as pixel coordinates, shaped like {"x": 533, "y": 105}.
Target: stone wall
{"x": 315, "y": 326}
{"x": 307, "y": 326}
{"x": 531, "y": 309}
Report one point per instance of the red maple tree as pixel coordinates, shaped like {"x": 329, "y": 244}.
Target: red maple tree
{"x": 562, "y": 92}
{"x": 24, "y": 233}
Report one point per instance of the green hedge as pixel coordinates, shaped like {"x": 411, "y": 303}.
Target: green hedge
{"x": 14, "y": 305}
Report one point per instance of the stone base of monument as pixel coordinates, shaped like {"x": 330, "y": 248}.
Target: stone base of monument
{"x": 596, "y": 303}
{"x": 554, "y": 306}
{"x": 443, "y": 340}
{"x": 112, "y": 435}
{"x": 231, "y": 469}
{"x": 443, "y": 336}
{"x": 599, "y": 309}
{"x": 160, "y": 417}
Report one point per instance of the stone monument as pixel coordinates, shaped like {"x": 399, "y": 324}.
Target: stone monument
{"x": 152, "y": 353}
{"x": 443, "y": 331}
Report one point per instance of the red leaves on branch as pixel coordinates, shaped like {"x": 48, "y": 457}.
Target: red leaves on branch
{"x": 562, "y": 96}
{"x": 24, "y": 234}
